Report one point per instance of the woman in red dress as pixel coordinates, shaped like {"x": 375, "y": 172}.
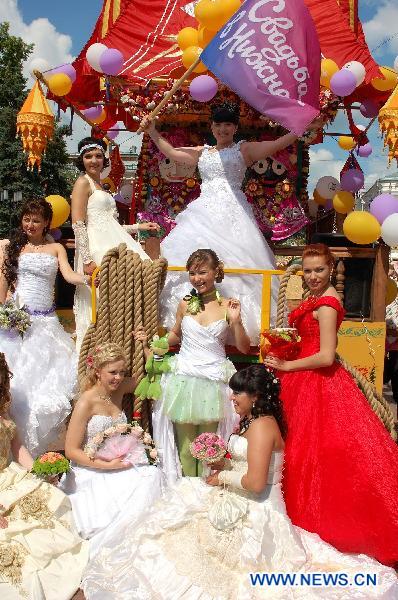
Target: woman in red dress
{"x": 341, "y": 465}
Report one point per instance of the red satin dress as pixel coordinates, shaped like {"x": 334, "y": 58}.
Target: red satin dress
{"x": 341, "y": 465}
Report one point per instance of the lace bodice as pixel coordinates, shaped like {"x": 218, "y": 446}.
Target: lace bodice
{"x": 7, "y": 432}
{"x": 222, "y": 170}
{"x": 99, "y": 423}
{"x": 101, "y": 206}
{"x": 237, "y": 447}
{"x": 36, "y": 278}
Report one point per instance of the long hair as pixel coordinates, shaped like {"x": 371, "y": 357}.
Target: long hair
{"x": 18, "y": 238}
{"x": 97, "y": 358}
{"x": 5, "y": 379}
{"x": 257, "y": 380}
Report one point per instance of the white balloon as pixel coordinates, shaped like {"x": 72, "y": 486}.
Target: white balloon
{"x": 327, "y": 186}
{"x": 356, "y": 69}
{"x": 39, "y": 64}
{"x": 389, "y": 230}
{"x": 93, "y": 55}
{"x": 126, "y": 191}
{"x": 396, "y": 64}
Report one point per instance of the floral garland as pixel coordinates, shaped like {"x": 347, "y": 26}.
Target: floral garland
{"x": 132, "y": 428}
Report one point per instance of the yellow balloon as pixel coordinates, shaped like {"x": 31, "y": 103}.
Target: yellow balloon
{"x": 318, "y": 199}
{"x": 61, "y": 210}
{"x": 187, "y": 37}
{"x": 391, "y": 291}
{"x": 388, "y": 83}
{"x": 346, "y": 142}
{"x": 210, "y": 14}
{"x": 101, "y": 117}
{"x": 189, "y": 56}
{"x": 361, "y": 227}
{"x": 343, "y": 202}
{"x": 328, "y": 69}
{"x": 205, "y": 36}
{"x": 60, "y": 84}
{"x": 229, "y": 8}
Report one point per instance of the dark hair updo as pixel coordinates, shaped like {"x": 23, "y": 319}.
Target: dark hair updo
{"x": 207, "y": 256}
{"x": 227, "y": 112}
{"x": 90, "y": 141}
{"x": 257, "y": 380}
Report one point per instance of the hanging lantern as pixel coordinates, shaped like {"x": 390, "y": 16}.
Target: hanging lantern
{"x": 35, "y": 125}
{"x": 388, "y": 121}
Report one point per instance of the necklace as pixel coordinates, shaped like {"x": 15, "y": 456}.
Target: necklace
{"x": 106, "y": 399}
{"x": 224, "y": 147}
{"x": 195, "y": 300}
{"x": 36, "y": 247}
{"x": 245, "y": 424}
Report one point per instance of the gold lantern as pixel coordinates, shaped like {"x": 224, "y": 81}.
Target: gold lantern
{"x": 388, "y": 121}
{"x": 35, "y": 125}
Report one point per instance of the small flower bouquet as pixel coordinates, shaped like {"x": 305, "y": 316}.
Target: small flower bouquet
{"x": 208, "y": 447}
{"x": 284, "y": 343}
{"x": 50, "y": 464}
{"x": 126, "y": 440}
{"x": 14, "y": 317}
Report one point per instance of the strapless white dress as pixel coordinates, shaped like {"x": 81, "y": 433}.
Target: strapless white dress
{"x": 104, "y": 232}
{"x": 44, "y": 361}
{"x": 101, "y": 499}
{"x": 176, "y": 553}
{"x": 220, "y": 219}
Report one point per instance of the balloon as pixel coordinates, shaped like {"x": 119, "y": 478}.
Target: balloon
{"x": 126, "y": 191}
{"x": 388, "y": 83}
{"x": 382, "y": 206}
{"x": 109, "y": 183}
{"x": 365, "y": 150}
{"x": 187, "y": 37}
{"x": 346, "y": 142}
{"x": 93, "y": 55}
{"x": 327, "y": 186}
{"x": 343, "y": 83}
{"x": 210, "y": 14}
{"x": 101, "y": 118}
{"x": 93, "y": 112}
{"x": 189, "y": 56}
{"x": 369, "y": 109}
{"x": 391, "y": 291}
{"x": 38, "y": 64}
{"x": 389, "y": 230}
{"x": 352, "y": 180}
{"x": 113, "y": 132}
{"x": 111, "y": 61}
{"x": 105, "y": 171}
{"x": 361, "y": 227}
{"x": 67, "y": 69}
{"x": 312, "y": 208}
{"x": 328, "y": 69}
{"x": 229, "y": 8}
{"x": 203, "y": 88}
{"x": 329, "y": 205}
{"x": 318, "y": 198}
{"x": 343, "y": 202}
{"x": 61, "y": 210}
{"x": 205, "y": 36}
{"x": 357, "y": 69}
{"x": 59, "y": 84}
{"x": 56, "y": 234}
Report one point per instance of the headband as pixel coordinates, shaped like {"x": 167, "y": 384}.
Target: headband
{"x": 88, "y": 146}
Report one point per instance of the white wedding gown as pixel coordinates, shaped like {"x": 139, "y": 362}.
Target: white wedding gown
{"x": 100, "y": 499}
{"x": 104, "y": 232}
{"x": 44, "y": 361}
{"x": 220, "y": 219}
{"x": 176, "y": 553}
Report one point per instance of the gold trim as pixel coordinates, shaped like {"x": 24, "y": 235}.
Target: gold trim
{"x": 105, "y": 19}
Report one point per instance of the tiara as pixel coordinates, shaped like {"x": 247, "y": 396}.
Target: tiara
{"x": 87, "y": 146}
{"x": 229, "y": 106}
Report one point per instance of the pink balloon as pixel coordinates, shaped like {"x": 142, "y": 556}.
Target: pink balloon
{"x": 93, "y": 112}
{"x": 365, "y": 150}
{"x": 343, "y": 83}
{"x": 352, "y": 180}
{"x": 369, "y": 109}
{"x": 382, "y": 206}
{"x": 203, "y": 88}
{"x": 67, "y": 69}
{"x": 111, "y": 61}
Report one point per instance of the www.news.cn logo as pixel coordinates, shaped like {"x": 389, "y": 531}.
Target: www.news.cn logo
{"x": 313, "y": 579}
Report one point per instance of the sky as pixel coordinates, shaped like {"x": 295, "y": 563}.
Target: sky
{"x": 60, "y": 29}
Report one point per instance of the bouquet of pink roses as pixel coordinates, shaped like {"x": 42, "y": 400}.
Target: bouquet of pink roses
{"x": 208, "y": 447}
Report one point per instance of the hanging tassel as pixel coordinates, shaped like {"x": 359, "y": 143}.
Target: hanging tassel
{"x": 107, "y": 90}
{"x": 58, "y": 114}
{"x": 72, "y": 114}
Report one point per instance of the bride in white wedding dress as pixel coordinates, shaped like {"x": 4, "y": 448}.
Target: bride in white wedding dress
{"x": 202, "y": 542}
{"x": 221, "y": 218}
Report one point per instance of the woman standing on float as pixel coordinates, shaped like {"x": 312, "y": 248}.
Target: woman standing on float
{"x": 95, "y": 224}
{"x": 221, "y": 218}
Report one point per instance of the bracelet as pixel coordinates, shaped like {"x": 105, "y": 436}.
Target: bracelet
{"x": 232, "y": 478}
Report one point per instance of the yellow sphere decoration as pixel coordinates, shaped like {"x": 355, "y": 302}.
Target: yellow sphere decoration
{"x": 346, "y": 142}
{"x": 189, "y": 56}
{"x": 391, "y": 291}
{"x": 61, "y": 210}
{"x": 59, "y": 84}
{"x": 388, "y": 83}
{"x": 205, "y": 36}
{"x": 318, "y": 199}
{"x": 361, "y": 227}
{"x": 210, "y": 14}
{"x": 101, "y": 117}
{"x": 343, "y": 202}
{"x": 187, "y": 37}
{"x": 328, "y": 69}
{"x": 229, "y": 8}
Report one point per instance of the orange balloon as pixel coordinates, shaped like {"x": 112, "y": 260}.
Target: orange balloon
{"x": 190, "y": 55}
{"x": 388, "y": 83}
{"x": 210, "y": 14}
{"x": 343, "y": 202}
{"x": 205, "y": 36}
{"x": 318, "y": 199}
{"x": 187, "y": 37}
{"x": 230, "y": 7}
{"x": 101, "y": 118}
{"x": 60, "y": 84}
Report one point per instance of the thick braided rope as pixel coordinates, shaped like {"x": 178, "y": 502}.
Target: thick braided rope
{"x": 376, "y": 401}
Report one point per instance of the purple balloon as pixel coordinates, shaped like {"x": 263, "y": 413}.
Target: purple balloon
{"x": 111, "y": 61}
{"x": 67, "y": 69}
{"x": 343, "y": 83}
{"x": 383, "y": 206}
{"x": 369, "y": 109}
{"x": 203, "y": 88}
{"x": 93, "y": 112}
{"x": 113, "y": 132}
{"x": 352, "y": 180}
{"x": 56, "y": 234}
{"x": 328, "y": 206}
{"x": 365, "y": 150}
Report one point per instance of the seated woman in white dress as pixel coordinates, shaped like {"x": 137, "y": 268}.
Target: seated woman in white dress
{"x": 41, "y": 555}
{"x": 221, "y": 218}
{"x": 95, "y": 224}
{"x": 202, "y": 541}
{"x": 44, "y": 360}
{"x": 102, "y": 491}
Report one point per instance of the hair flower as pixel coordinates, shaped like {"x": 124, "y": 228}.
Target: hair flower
{"x": 90, "y": 361}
